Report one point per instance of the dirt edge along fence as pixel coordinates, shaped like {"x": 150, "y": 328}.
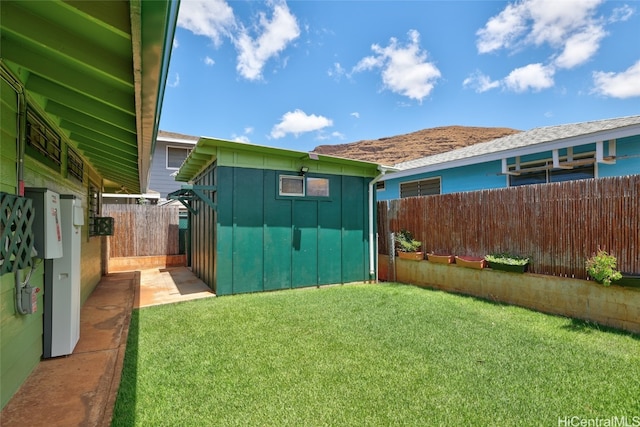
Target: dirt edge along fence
{"x": 143, "y": 230}
{"x": 558, "y": 225}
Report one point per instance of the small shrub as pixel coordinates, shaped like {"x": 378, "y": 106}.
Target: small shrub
{"x": 406, "y": 243}
{"x": 602, "y": 268}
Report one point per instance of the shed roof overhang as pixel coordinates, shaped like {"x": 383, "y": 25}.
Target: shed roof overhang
{"x": 467, "y": 156}
{"x": 97, "y": 70}
{"x": 239, "y": 154}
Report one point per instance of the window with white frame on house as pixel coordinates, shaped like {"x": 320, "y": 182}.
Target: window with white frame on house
{"x": 423, "y": 187}
{"x": 176, "y": 156}
{"x": 581, "y": 166}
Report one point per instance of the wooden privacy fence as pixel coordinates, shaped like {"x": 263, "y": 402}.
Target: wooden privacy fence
{"x": 557, "y": 225}
{"x": 143, "y": 230}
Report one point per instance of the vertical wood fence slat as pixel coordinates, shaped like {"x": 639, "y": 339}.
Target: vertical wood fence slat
{"x": 143, "y": 230}
{"x": 559, "y": 225}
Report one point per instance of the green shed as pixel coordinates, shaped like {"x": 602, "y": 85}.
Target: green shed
{"x": 264, "y": 218}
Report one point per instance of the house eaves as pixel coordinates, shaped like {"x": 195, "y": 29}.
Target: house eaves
{"x": 523, "y": 143}
{"x": 97, "y": 71}
{"x": 240, "y": 154}
{"x": 176, "y": 137}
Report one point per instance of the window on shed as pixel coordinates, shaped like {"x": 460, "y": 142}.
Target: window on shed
{"x": 380, "y": 185}
{"x": 425, "y": 187}
{"x": 318, "y": 187}
{"x": 291, "y": 185}
{"x": 176, "y": 156}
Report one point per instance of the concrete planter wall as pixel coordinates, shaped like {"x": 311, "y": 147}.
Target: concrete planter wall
{"x": 614, "y": 306}
{"x": 117, "y": 264}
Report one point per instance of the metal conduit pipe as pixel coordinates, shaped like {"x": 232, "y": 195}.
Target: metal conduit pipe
{"x": 21, "y": 124}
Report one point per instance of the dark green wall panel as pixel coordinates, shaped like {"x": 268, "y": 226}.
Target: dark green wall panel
{"x": 248, "y": 221}
{"x": 330, "y": 235}
{"x": 354, "y": 230}
{"x": 224, "y": 231}
{"x": 278, "y": 236}
{"x": 305, "y": 243}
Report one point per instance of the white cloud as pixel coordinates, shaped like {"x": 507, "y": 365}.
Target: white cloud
{"x": 209, "y": 61}
{"x": 405, "y": 69}
{"x": 503, "y": 29}
{"x": 480, "y": 82}
{"x": 297, "y": 122}
{"x": 580, "y": 47}
{"x": 241, "y": 138}
{"x": 210, "y": 18}
{"x": 245, "y": 135}
{"x": 554, "y": 21}
{"x": 621, "y": 85}
{"x": 337, "y": 71}
{"x": 175, "y": 43}
{"x": 273, "y": 37}
{"x": 622, "y": 13}
{"x": 355, "y": 114}
{"x": 176, "y": 81}
{"x": 570, "y": 28}
{"x": 530, "y": 77}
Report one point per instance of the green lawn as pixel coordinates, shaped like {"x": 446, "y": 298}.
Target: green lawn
{"x": 371, "y": 355}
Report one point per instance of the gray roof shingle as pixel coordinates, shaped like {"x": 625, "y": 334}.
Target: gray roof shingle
{"x": 524, "y": 139}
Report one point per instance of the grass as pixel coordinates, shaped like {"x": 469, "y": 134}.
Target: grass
{"x": 370, "y": 355}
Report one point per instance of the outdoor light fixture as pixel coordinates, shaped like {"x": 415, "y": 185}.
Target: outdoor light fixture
{"x": 303, "y": 170}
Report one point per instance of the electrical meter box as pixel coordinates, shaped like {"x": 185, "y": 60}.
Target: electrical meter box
{"x": 47, "y": 230}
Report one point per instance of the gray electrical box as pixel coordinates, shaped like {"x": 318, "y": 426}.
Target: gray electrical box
{"x": 47, "y": 230}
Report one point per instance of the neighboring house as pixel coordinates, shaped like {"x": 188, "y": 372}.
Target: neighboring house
{"x": 549, "y": 154}
{"x": 265, "y": 218}
{"x": 81, "y": 87}
{"x": 171, "y": 149}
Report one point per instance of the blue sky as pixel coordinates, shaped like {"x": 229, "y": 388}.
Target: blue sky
{"x": 299, "y": 74}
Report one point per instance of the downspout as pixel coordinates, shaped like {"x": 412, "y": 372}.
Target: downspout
{"x": 372, "y": 243}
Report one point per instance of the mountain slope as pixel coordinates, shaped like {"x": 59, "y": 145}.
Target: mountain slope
{"x": 414, "y": 145}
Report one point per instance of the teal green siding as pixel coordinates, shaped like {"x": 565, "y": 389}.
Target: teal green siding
{"x": 305, "y": 243}
{"x": 266, "y": 242}
{"x": 277, "y": 234}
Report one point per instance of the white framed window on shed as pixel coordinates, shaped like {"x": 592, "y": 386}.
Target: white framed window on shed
{"x": 176, "y": 156}
{"x": 424, "y": 187}
{"x": 290, "y": 185}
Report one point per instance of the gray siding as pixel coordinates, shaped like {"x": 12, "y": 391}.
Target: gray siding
{"x": 160, "y": 178}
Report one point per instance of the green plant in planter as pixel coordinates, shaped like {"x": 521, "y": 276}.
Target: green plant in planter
{"x": 602, "y": 267}
{"x": 508, "y": 259}
{"x": 507, "y": 262}
{"x": 406, "y": 243}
